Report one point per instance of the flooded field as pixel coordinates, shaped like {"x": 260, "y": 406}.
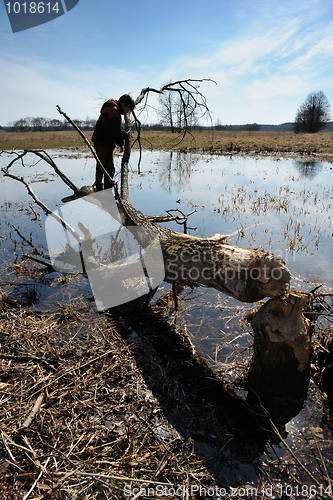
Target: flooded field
{"x": 283, "y": 206}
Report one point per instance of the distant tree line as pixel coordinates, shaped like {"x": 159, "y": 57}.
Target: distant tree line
{"x": 167, "y": 128}
{"x": 40, "y": 124}
{"x": 248, "y": 127}
{"x": 23, "y": 126}
{"x": 178, "y": 112}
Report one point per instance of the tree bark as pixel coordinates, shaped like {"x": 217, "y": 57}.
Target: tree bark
{"x": 279, "y": 374}
{"x": 248, "y": 275}
{"x": 245, "y": 274}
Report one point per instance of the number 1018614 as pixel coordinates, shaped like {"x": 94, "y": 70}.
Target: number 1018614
{"x": 33, "y": 7}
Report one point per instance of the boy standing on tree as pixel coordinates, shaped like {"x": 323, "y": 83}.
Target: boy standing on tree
{"x": 108, "y": 134}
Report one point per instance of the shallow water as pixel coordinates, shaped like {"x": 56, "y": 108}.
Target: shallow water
{"x": 282, "y": 206}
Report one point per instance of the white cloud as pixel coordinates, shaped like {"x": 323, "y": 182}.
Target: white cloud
{"x": 34, "y": 88}
{"x": 263, "y": 71}
{"x": 263, "y": 76}
{"x": 276, "y": 86}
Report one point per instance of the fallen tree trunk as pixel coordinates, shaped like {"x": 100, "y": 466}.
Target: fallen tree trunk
{"x": 248, "y": 275}
{"x": 245, "y": 274}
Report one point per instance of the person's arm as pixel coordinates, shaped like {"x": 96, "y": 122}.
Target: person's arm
{"x": 114, "y": 128}
{"x": 112, "y": 121}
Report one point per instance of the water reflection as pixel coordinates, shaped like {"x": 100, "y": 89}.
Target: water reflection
{"x": 260, "y": 202}
{"x": 176, "y": 171}
{"x": 308, "y": 169}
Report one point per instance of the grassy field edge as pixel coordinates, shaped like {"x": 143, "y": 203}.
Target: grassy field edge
{"x": 312, "y": 146}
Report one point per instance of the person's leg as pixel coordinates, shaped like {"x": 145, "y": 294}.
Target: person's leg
{"x": 102, "y": 152}
{"x": 105, "y": 156}
{"x": 109, "y": 165}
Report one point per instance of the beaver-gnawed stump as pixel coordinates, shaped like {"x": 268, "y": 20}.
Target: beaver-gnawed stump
{"x": 279, "y": 374}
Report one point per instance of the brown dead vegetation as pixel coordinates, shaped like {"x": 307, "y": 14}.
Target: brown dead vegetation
{"x": 80, "y": 415}
{"x": 77, "y": 418}
{"x": 93, "y": 407}
{"x": 316, "y": 146}
{"x": 249, "y": 143}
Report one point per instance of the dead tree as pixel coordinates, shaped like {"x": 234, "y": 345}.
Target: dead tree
{"x": 245, "y": 274}
{"x": 279, "y": 373}
{"x": 248, "y": 275}
{"x": 281, "y": 334}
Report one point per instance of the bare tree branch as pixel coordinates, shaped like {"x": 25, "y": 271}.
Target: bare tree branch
{"x": 188, "y": 88}
{"x": 86, "y": 142}
{"x": 44, "y": 207}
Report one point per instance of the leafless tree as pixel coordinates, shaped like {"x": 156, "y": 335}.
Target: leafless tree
{"x": 314, "y": 114}
{"x": 191, "y": 102}
{"x": 177, "y": 111}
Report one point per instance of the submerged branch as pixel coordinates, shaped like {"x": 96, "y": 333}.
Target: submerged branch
{"x": 47, "y": 158}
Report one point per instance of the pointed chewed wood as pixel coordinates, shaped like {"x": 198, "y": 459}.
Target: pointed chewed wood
{"x": 279, "y": 374}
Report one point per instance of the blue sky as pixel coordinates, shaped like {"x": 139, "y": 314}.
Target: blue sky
{"x": 265, "y": 56}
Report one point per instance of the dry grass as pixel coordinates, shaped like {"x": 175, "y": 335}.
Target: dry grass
{"x": 85, "y": 409}
{"x": 77, "y": 418}
{"x": 228, "y": 142}
{"x": 91, "y": 410}
{"x": 41, "y": 140}
{"x": 318, "y": 145}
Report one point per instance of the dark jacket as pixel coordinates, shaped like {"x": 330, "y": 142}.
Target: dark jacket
{"x": 108, "y": 126}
